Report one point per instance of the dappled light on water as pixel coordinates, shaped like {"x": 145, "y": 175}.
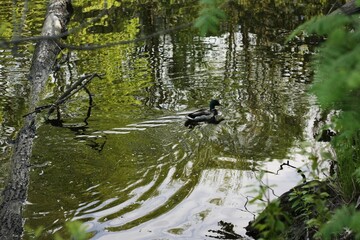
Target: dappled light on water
{"x": 132, "y": 170}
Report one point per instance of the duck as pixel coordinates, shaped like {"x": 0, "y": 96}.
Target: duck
{"x": 210, "y": 115}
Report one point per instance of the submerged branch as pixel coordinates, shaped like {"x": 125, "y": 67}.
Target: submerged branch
{"x": 76, "y": 87}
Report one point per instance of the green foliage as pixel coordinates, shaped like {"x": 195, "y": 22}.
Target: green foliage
{"x": 209, "y": 17}
{"x": 357, "y": 175}
{"x": 76, "y": 230}
{"x": 5, "y": 29}
{"x": 309, "y": 205}
{"x": 337, "y": 86}
{"x": 272, "y": 222}
{"x": 304, "y": 204}
{"x": 322, "y": 25}
{"x": 345, "y": 218}
{"x": 34, "y": 233}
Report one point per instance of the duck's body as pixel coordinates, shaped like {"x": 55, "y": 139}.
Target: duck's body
{"x": 204, "y": 115}
{"x": 201, "y": 113}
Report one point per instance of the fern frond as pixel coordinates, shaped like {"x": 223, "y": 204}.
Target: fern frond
{"x": 209, "y": 17}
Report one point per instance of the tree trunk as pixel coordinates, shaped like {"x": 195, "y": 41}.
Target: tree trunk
{"x": 15, "y": 192}
{"x": 348, "y": 8}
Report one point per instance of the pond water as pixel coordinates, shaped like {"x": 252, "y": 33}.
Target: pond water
{"x": 131, "y": 169}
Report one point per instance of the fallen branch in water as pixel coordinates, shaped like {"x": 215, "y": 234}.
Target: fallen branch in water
{"x": 75, "y": 88}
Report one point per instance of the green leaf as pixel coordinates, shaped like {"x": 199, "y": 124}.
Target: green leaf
{"x": 258, "y": 197}
{"x": 6, "y": 29}
{"x": 209, "y": 18}
{"x": 39, "y": 231}
{"x": 77, "y": 230}
{"x": 58, "y": 237}
{"x": 324, "y": 195}
{"x": 322, "y": 25}
{"x": 338, "y": 222}
{"x": 313, "y": 222}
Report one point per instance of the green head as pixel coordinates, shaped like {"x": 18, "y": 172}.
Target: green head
{"x": 214, "y": 103}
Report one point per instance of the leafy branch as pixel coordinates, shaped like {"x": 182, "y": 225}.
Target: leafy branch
{"x": 209, "y": 17}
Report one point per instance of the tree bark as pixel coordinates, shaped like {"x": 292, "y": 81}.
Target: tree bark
{"x": 348, "y": 8}
{"x": 15, "y": 192}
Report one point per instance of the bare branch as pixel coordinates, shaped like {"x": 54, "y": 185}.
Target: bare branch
{"x": 113, "y": 44}
{"x": 73, "y": 90}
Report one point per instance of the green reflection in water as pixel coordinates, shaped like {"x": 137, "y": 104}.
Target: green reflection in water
{"x": 14, "y": 66}
{"x": 135, "y": 162}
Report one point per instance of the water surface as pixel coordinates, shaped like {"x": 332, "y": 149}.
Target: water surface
{"x": 132, "y": 170}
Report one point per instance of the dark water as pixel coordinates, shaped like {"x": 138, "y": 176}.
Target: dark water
{"x": 132, "y": 170}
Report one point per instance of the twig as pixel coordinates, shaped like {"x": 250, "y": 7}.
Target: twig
{"x": 332, "y": 7}
{"x": 76, "y": 87}
{"x": 298, "y": 170}
{"x": 38, "y": 109}
{"x": 245, "y": 206}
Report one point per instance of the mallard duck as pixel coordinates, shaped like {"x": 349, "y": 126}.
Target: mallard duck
{"x": 204, "y": 115}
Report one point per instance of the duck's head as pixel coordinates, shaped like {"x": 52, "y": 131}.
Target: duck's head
{"x": 214, "y": 103}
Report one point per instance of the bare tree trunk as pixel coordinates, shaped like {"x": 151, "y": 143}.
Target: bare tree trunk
{"x": 15, "y": 192}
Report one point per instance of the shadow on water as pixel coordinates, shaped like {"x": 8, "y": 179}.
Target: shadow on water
{"x": 131, "y": 169}
{"x": 226, "y": 232}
